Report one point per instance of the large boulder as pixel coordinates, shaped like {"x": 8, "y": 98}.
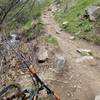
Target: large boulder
{"x": 90, "y": 11}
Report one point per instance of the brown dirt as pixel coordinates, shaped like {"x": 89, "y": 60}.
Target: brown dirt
{"x": 82, "y": 82}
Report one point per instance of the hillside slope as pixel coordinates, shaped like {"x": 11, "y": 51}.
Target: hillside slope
{"x": 71, "y": 12}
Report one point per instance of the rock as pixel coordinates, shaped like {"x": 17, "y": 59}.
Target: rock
{"x": 72, "y": 38}
{"x": 49, "y": 9}
{"x": 90, "y": 12}
{"x": 12, "y": 37}
{"x": 87, "y": 60}
{"x": 60, "y": 61}
{"x": 97, "y": 97}
{"x": 85, "y": 52}
{"x": 42, "y": 55}
{"x": 65, "y": 24}
{"x": 58, "y": 32}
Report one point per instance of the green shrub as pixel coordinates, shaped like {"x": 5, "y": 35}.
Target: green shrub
{"x": 85, "y": 26}
{"x": 97, "y": 39}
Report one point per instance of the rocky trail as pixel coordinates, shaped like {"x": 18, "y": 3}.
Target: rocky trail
{"x": 82, "y": 81}
{"x": 71, "y": 68}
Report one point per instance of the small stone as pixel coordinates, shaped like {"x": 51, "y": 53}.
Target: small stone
{"x": 88, "y": 60}
{"x": 65, "y": 23}
{"x": 49, "y": 9}
{"x": 77, "y": 75}
{"x": 60, "y": 61}
{"x": 58, "y": 32}
{"x": 69, "y": 94}
{"x": 72, "y": 38}
{"x": 85, "y": 52}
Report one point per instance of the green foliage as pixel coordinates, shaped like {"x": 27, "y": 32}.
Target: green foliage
{"x": 97, "y": 39}
{"x": 84, "y": 26}
{"x": 19, "y": 17}
{"x": 51, "y": 40}
{"x": 33, "y": 30}
{"x": 34, "y": 27}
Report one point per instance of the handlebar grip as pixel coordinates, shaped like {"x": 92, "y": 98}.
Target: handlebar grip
{"x": 4, "y": 98}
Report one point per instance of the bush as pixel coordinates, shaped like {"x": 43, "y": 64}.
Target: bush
{"x": 97, "y": 40}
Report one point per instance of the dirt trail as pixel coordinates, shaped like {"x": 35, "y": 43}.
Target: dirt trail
{"x": 85, "y": 78}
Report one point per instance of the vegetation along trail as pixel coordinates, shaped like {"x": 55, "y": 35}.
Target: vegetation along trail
{"x": 85, "y": 77}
